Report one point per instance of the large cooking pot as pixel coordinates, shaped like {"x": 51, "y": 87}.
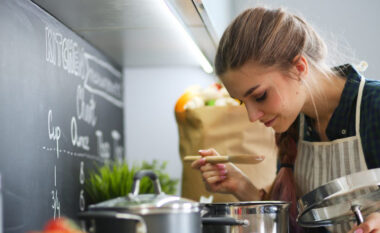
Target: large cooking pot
{"x": 110, "y": 221}
{"x": 254, "y": 216}
{"x": 153, "y": 213}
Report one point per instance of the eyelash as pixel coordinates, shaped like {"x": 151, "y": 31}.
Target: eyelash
{"x": 262, "y": 97}
{"x": 259, "y": 99}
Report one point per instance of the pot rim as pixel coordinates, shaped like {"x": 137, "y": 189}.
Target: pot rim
{"x": 149, "y": 210}
{"x": 247, "y": 203}
{"x": 162, "y": 204}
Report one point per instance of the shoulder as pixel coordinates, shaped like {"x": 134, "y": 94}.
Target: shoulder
{"x": 371, "y": 95}
{"x": 369, "y": 122}
{"x": 370, "y": 104}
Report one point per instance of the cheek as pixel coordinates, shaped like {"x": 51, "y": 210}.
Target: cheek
{"x": 277, "y": 103}
{"x": 288, "y": 101}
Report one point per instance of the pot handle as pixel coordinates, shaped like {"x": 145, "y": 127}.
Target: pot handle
{"x": 224, "y": 221}
{"x": 141, "y": 227}
{"x": 139, "y": 175}
{"x": 358, "y": 214}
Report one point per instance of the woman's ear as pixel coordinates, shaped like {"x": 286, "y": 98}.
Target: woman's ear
{"x": 301, "y": 66}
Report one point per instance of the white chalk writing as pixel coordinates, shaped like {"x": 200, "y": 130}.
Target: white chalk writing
{"x": 117, "y": 149}
{"x": 54, "y": 132}
{"x": 82, "y": 201}
{"x": 81, "y": 173}
{"x": 103, "y": 147}
{"x": 105, "y": 86}
{"x": 78, "y": 141}
{"x": 55, "y": 176}
{"x": 64, "y": 52}
{"x": 85, "y": 111}
{"x": 56, "y": 206}
{"x": 67, "y": 54}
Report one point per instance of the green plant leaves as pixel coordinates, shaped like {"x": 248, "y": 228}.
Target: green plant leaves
{"x": 115, "y": 180}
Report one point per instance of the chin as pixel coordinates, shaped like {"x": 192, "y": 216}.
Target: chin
{"x": 281, "y": 128}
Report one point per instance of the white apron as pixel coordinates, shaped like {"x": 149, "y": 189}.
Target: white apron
{"x": 320, "y": 162}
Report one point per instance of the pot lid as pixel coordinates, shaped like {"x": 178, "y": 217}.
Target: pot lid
{"x": 348, "y": 198}
{"x": 147, "y": 203}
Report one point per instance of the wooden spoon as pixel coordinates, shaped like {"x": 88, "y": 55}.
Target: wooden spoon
{"x": 226, "y": 158}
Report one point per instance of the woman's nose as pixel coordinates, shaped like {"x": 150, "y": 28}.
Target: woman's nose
{"x": 254, "y": 114}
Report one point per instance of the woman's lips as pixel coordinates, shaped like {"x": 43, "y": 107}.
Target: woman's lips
{"x": 270, "y": 122}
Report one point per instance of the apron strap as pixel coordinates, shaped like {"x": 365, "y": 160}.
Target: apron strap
{"x": 357, "y": 114}
{"x": 358, "y": 104}
{"x": 302, "y": 125}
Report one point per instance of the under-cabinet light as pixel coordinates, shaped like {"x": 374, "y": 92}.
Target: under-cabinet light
{"x": 205, "y": 64}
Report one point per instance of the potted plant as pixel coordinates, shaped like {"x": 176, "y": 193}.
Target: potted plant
{"x": 115, "y": 179}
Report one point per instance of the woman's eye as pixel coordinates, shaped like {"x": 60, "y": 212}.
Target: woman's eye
{"x": 261, "y": 97}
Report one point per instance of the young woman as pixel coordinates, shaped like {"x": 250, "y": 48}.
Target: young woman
{"x": 327, "y": 120}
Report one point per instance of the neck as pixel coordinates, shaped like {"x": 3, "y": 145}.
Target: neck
{"x": 323, "y": 97}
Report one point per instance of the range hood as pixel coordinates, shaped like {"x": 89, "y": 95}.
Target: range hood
{"x": 136, "y": 33}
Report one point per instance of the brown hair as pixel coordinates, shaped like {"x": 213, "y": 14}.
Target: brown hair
{"x": 274, "y": 38}
{"x": 283, "y": 187}
{"x": 269, "y": 37}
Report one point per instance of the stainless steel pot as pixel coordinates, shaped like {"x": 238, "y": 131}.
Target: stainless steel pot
{"x": 256, "y": 216}
{"x": 154, "y": 213}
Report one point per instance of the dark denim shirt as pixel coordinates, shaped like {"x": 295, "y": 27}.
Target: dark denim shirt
{"x": 342, "y": 122}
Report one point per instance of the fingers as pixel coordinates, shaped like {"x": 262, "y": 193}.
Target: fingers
{"x": 370, "y": 225}
{"x": 213, "y": 178}
{"x": 208, "y": 152}
{"x": 212, "y": 173}
{"x": 200, "y": 162}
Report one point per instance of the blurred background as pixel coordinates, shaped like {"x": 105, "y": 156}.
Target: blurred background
{"x": 158, "y": 63}
{"x": 348, "y": 27}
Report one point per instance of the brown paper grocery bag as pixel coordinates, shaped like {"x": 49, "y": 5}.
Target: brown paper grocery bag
{"x": 228, "y": 130}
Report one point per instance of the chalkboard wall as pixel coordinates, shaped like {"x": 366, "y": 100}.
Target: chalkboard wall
{"x": 61, "y": 112}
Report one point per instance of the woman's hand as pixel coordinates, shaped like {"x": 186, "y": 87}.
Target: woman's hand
{"x": 225, "y": 178}
{"x": 370, "y": 225}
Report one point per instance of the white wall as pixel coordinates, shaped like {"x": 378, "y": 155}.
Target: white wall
{"x": 150, "y": 95}
{"x": 350, "y": 27}
{"x": 220, "y": 14}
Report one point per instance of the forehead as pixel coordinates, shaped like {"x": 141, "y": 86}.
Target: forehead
{"x": 239, "y": 80}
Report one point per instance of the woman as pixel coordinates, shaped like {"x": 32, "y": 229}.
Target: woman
{"x": 326, "y": 119}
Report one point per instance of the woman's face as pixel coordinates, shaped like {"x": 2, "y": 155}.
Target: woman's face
{"x": 270, "y": 96}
